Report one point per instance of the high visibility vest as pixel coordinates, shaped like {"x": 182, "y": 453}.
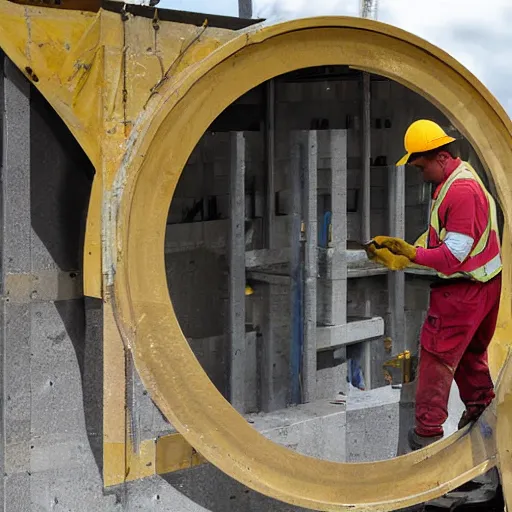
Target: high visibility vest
{"x": 492, "y": 265}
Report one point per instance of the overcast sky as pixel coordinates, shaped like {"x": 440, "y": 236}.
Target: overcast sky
{"x": 476, "y": 32}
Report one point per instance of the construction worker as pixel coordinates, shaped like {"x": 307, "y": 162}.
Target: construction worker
{"x": 463, "y": 245}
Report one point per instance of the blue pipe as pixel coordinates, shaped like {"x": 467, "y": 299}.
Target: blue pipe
{"x": 324, "y": 234}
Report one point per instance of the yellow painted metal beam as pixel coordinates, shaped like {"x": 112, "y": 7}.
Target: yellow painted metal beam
{"x": 146, "y": 182}
{"x": 173, "y": 453}
{"x": 98, "y": 70}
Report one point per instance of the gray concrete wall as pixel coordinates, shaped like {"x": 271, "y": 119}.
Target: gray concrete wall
{"x": 51, "y": 337}
{"x": 202, "y": 246}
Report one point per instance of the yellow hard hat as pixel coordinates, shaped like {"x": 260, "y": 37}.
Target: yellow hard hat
{"x": 423, "y": 135}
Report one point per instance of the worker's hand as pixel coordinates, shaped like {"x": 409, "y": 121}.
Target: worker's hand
{"x": 397, "y": 246}
{"x": 387, "y": 258}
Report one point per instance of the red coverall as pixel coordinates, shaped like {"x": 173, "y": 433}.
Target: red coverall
{"x": 461, "y": 318}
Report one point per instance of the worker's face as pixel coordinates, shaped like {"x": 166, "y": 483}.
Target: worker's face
{"x": 432, "y": 169}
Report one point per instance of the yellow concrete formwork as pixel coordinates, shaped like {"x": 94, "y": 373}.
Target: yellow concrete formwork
{"x": 139, "y": 143}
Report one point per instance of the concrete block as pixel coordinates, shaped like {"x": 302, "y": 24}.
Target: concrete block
{"x": 76, "y": 489}
{"x": 372, "y": 424}
{"x": 331, "y": 380}
{"x": 201, "y": 485}
{"x": 57, "y": 356}
{"x": 316, "y": 429}
{"x": 17, "y": 458}
{"x": 16, "y": 172}
{"x": 155, "y": 494}
{"x": 60, "y": 452}
{"x": 17, "y": 492}
{"x": 17, "y": 389}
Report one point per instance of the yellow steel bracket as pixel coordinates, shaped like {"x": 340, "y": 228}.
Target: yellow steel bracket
{"x": 139, "y": 105}
{"x": 99, "y": 70}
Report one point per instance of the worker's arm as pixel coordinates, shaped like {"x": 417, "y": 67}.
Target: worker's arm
{"x": 460, "y": 209}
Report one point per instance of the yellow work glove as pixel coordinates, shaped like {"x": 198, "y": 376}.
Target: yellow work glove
{"x": 387, "y": 258}
{"x": 397, "y": 246}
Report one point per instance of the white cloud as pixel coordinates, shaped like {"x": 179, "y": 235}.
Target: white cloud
{"x": 475, "y": 32}
{"x": 223, "y": 7}
{"x": 302, "y": 8}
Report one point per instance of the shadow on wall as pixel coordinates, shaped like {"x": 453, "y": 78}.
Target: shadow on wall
{"x": 61, "y": 178}
{"x": 202, "y": 485}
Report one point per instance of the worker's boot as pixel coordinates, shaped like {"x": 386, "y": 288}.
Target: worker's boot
{"x": 416, "y": 442}
{"x": 471, "y": 414}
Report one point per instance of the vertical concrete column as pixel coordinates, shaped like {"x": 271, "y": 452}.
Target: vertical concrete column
{"x": 16, "y": 316}
{"x": 366, "y": 362}
{"x": 396, "y": 280}
{"x": 237, "y": 272}
{"x": 304, "y": 247}
{"x": 366, "y": 159}
{"x": 310, "y": 174}
{"x": 270, "y": 146}
{"x": 336, "y": 288}
{"x": 296, "y": 267}
{"x": 268, "y": 348}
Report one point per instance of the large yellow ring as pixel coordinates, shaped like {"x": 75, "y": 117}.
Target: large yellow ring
{"x": 146, "y": 183}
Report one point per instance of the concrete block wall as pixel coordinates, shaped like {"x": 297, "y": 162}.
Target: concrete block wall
{"x": 298, "y": 106}
{"x": 51, "y": 418}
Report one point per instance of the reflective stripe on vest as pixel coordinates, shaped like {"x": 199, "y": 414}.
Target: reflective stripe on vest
{"x": 493, "y": 267}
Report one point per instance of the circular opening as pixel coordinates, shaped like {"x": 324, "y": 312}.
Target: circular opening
{"x": 167, "y": 364}
{"x": 243, "y": 292}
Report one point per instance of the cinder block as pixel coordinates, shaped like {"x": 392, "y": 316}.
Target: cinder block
{"x": 57, "y": 344}
{"x": 202, "y": 484}
{"x": 55, "y": 452}
{"x": 76, "y": 489}
{"x": 316, "y": 429}
{"x": 17, "y": 492}
{"x": 16, "y": 172}
{"x": 331, "y": 381}
{"x": 157, "y": 494}
{"x": 372, "y": 424}
{"x": 16, "y": 458}
{"x": 17, "y": 389}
